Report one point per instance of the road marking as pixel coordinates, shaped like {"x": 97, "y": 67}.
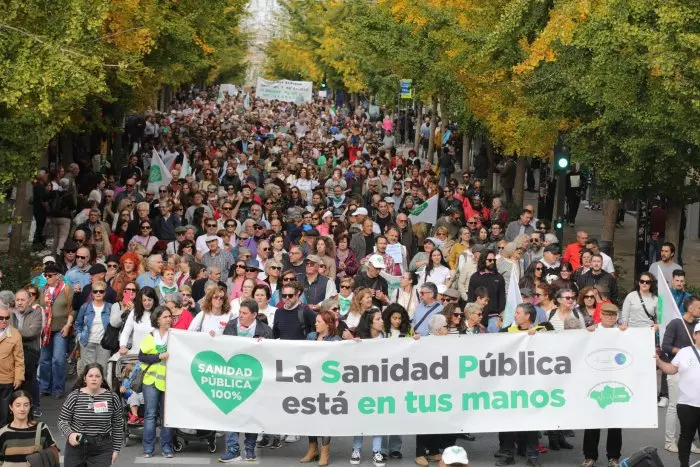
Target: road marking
{"x": 175, "y": 460}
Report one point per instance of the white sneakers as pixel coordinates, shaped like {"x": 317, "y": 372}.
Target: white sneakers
{"x": 673, "y": 447}
{"x": 663, "y": 402}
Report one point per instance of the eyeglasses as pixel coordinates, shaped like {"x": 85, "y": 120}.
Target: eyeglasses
{"x": 490, "y": 260}
{"x": 644, "y": 282}
{"x": 112, "y": 266}
{"x": 130, "y": 289}
{"x": 471, "y": 223}
{"x": 217, "y": 297}
{"x": 80, "y": 257}
{"x": 345, "y": 287}
{"x": 589, "y": 296}
{"x": 69, "y": 252}
{"x": 4, "y": 318}
{"x": 289, "y": 279}
{"x": 51, "y": 274}
{"x": 539, "y": 269}
{"x": 211, "y": 225}
{"x": 569, "y": 298}
{"x": 146, "y": 227}
{"x": 227, "y": 208}
{"x": 288, "y": 295}
{"x": 98, "y": 291}
{"x": 277, "y": 268}
{"x": 259, "y": 227}
{"x": 185, "y": 294}
{"x": 242, "y": 266}
{"x": 457, "y": 314}
{"x": 242, "y": 238}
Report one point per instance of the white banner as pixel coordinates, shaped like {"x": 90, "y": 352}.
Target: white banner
{"x": 451, "y": 384}
{"x": 284, "y": 90}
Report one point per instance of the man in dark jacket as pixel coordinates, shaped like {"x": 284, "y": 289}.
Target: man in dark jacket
{"x": 487, "y": 276}
{"x": 246, "y": 325}
{"x": 596, "y": 276}
{"x": 27, "y": 320}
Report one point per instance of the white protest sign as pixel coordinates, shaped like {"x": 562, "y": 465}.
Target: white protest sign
{"x": 451, "y": 384}
{"x": 284, "y": 90}
{"x": 395, "y": 251}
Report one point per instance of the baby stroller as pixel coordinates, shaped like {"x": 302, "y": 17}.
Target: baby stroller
{"x": 117, "y": 365}
{"x": 182, "y": 437}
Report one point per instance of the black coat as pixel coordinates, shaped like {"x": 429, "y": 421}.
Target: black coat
{"x": 261, "y": 329}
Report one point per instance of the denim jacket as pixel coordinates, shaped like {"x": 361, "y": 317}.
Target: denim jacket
{"x": 86, "y": 315}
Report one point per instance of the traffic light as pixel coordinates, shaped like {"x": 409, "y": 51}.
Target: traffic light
{"x": 561, "y": 155}
{"x": 324, "y": 85}
{"x": 559, "y": 229}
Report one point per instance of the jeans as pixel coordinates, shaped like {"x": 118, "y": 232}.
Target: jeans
{"x": 376, "y": 443}
{"x": 613, "y": 445}
{"x": 444, "y": 177}
{"x": 690, "y": 425}
{"x": 232, "y": 442}
{"x": 52, "y": 365}
{"x": 98, "y": 454}
{"x": 392, "y": 443}
{"x": 491, "y": 327}
{"x": 671, "y": 415}
{"x": 528, "y": 437}
{"x": 153, "y": 402}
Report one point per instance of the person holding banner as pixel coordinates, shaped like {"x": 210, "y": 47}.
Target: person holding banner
{"x": 153, "y": 355}
{"x": 326, "y": 331}
{"x": 245, "y": 325}
{"x": 591, "y": 437}
{"x": 686, "y": 364}
{"x": 371, "y": 326}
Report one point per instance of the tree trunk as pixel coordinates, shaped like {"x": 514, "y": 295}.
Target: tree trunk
{"x": 419, "y": 122}
{"x": 674, "y": 209}
{"x": 21, "y": 215}
{"x": 466, "y": 149}
{"x": 607, "y": 236}
{"x": 492, "y": 167}
{"x": 433, "y": 125}
{"x": 519, "y": 187}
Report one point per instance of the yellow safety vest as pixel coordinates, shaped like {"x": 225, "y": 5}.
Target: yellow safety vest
{"x": 155, "y": 373}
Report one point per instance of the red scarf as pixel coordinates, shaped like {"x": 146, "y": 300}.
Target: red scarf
{"x": 48, "y": 312}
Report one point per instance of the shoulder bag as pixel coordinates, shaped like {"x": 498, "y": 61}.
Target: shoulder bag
{"x": 43, "y": 457}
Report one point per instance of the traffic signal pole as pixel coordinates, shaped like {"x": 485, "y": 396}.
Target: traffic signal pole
{"x": 561, "y": 165}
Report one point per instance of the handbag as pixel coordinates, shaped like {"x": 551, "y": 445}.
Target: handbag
{"x": 46, "y": 457}
{"x": 137, "y": 380}
{"x": 110, "y": 339}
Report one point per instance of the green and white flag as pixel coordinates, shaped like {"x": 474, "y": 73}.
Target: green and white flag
{"x": 159, "y": 174}
{"x": 425, "y": 212}
{"x": 186, "y": 168}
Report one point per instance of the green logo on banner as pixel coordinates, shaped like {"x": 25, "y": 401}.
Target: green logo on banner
{"x": 420, "y": 208}
{"x": 226, "y": 384}
{"x": 155, "y": 175}
{"x": 608, "y": 393}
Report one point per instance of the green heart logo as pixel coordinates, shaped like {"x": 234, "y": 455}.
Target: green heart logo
{"x": 226, "y": 384}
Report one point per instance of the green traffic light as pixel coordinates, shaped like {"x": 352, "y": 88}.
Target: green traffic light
{"x": 563, "y": 162}
{"x": 559, "y": 224}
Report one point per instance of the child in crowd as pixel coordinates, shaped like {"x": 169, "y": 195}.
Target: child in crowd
{"x": 134, "y": 399}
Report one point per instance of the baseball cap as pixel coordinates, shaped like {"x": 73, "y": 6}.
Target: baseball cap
{"x": 210, "y": 238}
{"x": 252, "y": 264}
{"x": 97, "y": 268}
{"x": 313, "y": 259}
{"x": 377, "y": 261}
{"x": 180, "y": 229}
{"x": 360, "y": 212}
{"x": 389, "y": 199}
{"x": 48, "y": 259}
{"x": 455, "y": 455}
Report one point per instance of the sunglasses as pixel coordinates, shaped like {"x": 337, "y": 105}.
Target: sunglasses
{"x": 259, "y": 227}
{"x": 69, "y": 252}
{"x": 146, "y": 227}
{"x": 113, "y": 266}
{"x": 101, "y": 291}
{"x": 211, "y": 225}
{"x": 471, "y": 223}
{"x": 227, "y": 208}
{"x": 645, "y": 282}
{"x": 536, "y": 269}
{"x": 4, "y": 318}
{"x": 185, "y": 294}
{"x": 457, "y": 314}
{"x": 569, "y": 298}
{"x": 490, "y": 260}
{"x": 288, "y": 295}
{"x": 217, "y": 297}
{"x": 589, "y": 296}
{"x": 290, "y": 279}
{"x": 130, "y": 289}
{"x": 242, "y": 238}
{"x": 81, "y": 257}
{"x": 345, "y": 287}
{"x": 277, "y": 268}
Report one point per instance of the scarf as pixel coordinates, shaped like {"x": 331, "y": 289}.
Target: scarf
{"x": 48, "y": 312}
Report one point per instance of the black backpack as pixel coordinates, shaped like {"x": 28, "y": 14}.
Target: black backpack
{"x": 645, "y": 457}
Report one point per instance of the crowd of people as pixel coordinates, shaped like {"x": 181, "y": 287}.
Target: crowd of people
{"x": 283, "y": 221}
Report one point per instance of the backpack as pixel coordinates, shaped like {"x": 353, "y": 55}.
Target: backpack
{"x": 302, "y": 321}
{"x": 55, "y": 205}
{"x": 645, "y": 457}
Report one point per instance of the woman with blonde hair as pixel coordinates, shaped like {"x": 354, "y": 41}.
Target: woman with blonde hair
{"x": 215, "y": 314}
{"x": 473, "y": 313}
{"x": 100, "y": 239}
{"x": 361, "y": 302}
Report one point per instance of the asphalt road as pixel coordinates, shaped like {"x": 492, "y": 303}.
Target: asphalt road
{"x": 480, "y": 452}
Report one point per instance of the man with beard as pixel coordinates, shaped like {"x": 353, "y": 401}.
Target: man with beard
{"x": 476, "y": 208}
{"x": 487, "y": 276}
{"x": 337, "y": 201}
{"x": 596, "y": 276}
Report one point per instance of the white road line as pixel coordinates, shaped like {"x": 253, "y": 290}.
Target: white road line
{"x": 157, "y": 459}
